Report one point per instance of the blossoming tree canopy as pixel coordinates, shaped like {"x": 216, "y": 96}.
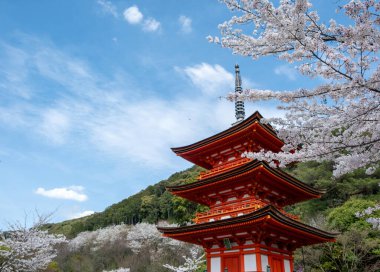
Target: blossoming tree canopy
{"x": 337, "y": 120}
{"x": 27, "y": 249}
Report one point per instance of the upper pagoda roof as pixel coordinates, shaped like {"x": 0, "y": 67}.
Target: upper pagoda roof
{"x": 296, "y": 189}
{"x": 272, "y": 218}
{"x": 188, "y": 150}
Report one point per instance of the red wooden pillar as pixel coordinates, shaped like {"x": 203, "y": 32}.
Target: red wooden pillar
{"x": 241, "y": 259}
{"x": 258, "y": 259}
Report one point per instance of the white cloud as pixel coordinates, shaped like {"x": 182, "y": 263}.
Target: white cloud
{"x": 285, "y": 70}
{"x": 108, "y": 7}
{"x": 211, "y": 79}
{"x": 185, "y": 23}
{"x": 69, "y": 193}
{"x": 80, "y": 214}
{"x": 133, "y": 15}
{"x": 151, "y": 25}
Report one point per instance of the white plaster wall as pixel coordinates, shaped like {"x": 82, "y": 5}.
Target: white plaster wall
{"x": 264, "y": 262}
{"x": 250, "y": 262}
{"x": 215, "y": 264}
{"x": 287, "y": 265}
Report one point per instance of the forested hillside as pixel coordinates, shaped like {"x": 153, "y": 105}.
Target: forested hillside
{"x": 150, "y": 205}
{"x": 339, "y": 209}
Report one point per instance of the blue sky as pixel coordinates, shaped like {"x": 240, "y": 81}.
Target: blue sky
{"x": 94, "y": 93}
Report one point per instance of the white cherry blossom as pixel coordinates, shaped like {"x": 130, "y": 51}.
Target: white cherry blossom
{"x": 27, "y": 249}
{"x": 338, "y": 120}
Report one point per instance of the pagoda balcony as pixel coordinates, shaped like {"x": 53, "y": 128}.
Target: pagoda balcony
{"x": 223, "y": 167}
{"x": 234, "y": 211}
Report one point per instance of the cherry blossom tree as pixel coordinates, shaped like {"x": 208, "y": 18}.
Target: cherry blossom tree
{"x": 369, "y": 215}
{"x": 191, "y": 264}
{"x": 337, "y": 120}
{"x": 27, "y": 249}
{"x": 100, "y": 237}
{"x": 143, "y": 234}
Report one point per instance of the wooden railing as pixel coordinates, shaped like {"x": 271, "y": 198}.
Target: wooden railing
{"x": 234, "y": 211}
{"x": 231, "y": 210}
{"x": 223, "y": 168}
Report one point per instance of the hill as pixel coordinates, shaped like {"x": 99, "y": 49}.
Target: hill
{"x": 154, "y": 203}
{"x": 356, "y": 249}
{"x": 149, "y": 205}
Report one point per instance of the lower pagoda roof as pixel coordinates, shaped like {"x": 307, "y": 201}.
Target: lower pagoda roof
{"x": 246, "y": 174}
{"x": 267, "y": 224}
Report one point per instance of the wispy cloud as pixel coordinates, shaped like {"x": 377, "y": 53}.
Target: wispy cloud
{"x": 54, "y": 125}
{"x": 95, "y": 113}
{"x": 285, "y": 70}
{"x": 80, "y": 214}
{"x": 134, "y": 16}
{"x": 68, "y": 193}
{"x": 108, "y": 7}
{"x": 185, "y": 23}
{"x": 151, "y": 25}
{"x": 211, "y": 79}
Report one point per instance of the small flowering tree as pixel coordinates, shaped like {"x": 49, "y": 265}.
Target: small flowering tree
{"x": 27, "y": 249}
{"x": 338, "y": 120}
{"x": 369, "y": 215}
{"x": 191, "y": 264}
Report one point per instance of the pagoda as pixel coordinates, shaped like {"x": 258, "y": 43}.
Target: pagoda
{"x": 246, "y": 227}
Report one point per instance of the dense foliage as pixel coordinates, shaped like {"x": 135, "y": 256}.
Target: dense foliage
{"x": 339, "y": 209}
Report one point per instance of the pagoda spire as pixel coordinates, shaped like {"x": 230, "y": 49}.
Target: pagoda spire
{"x": 239, "y": 105}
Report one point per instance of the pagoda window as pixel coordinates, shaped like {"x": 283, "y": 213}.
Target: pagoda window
{"x": 250, "y": 262}
{"x": 216, "y": 264}
{"x": 264, "y": 261}
{"x": 287, "y": 265}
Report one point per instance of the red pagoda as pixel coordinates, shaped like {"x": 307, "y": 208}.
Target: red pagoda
{"x": 246, "y": 228}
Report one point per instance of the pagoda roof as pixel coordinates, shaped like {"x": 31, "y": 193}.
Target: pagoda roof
{"x": 300, "y": 190}
{"x": 188, "y": 150}
{"x": 271, "y": 217}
